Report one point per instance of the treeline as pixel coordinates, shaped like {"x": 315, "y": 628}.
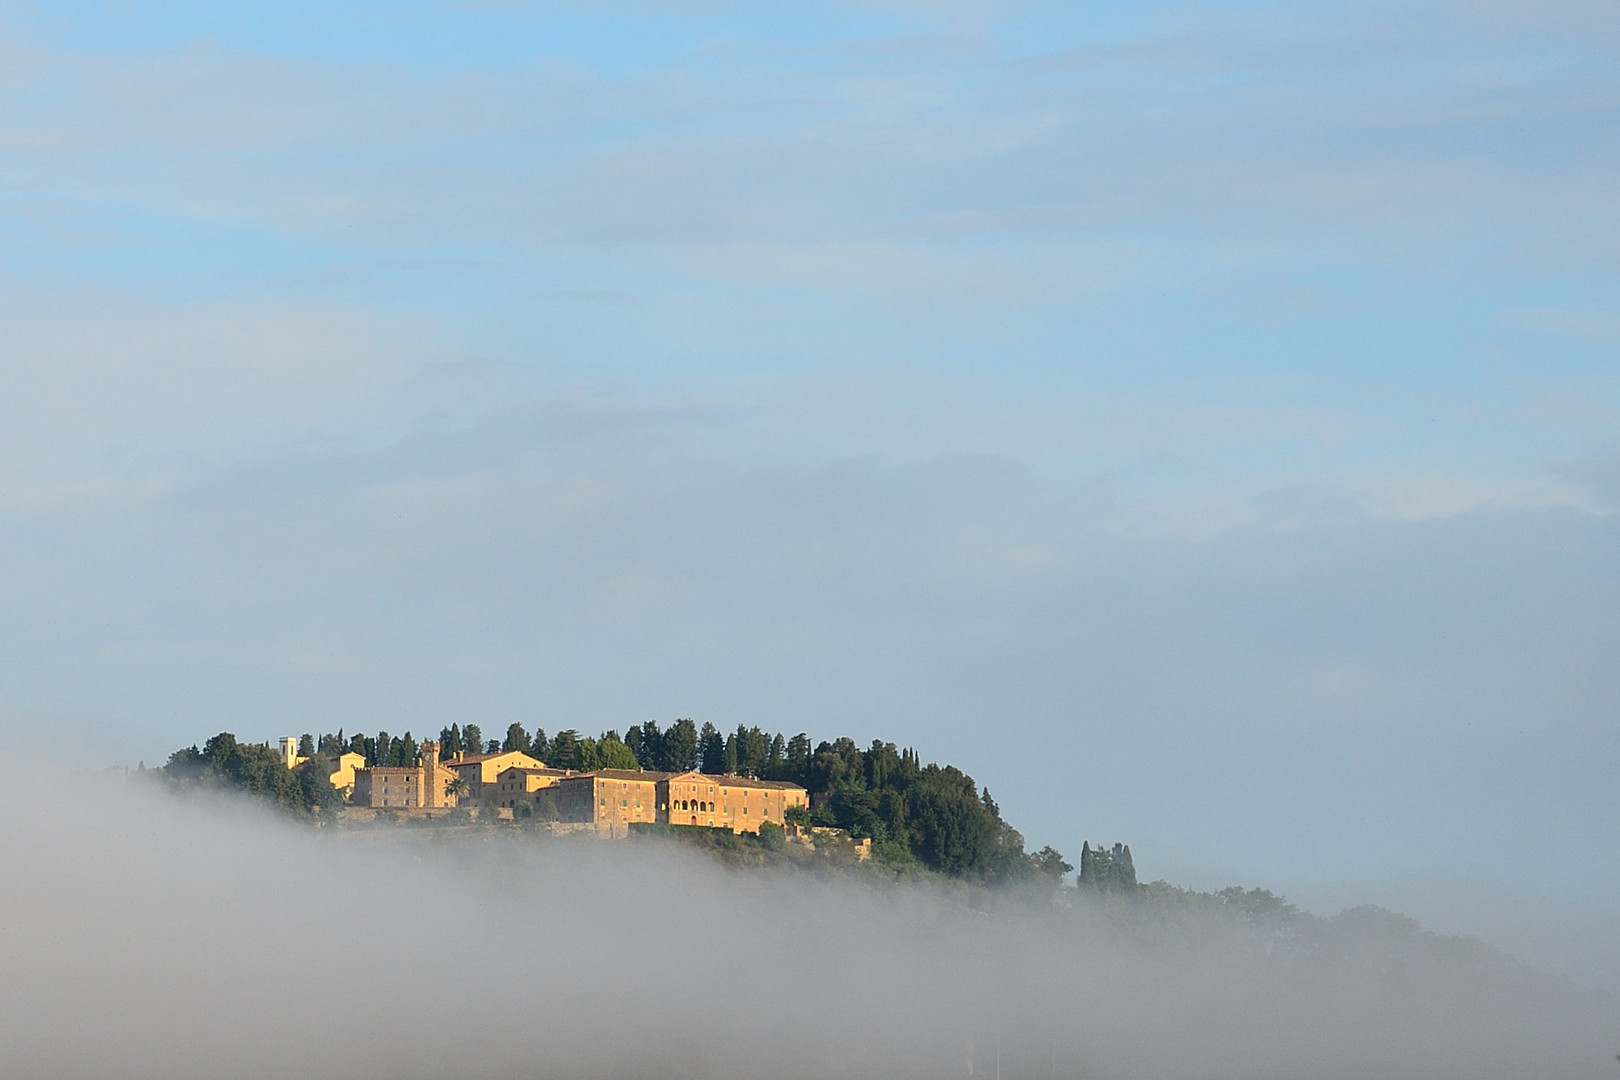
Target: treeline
{"x": 254, "y": 768}
{"x": 925, "y": 816}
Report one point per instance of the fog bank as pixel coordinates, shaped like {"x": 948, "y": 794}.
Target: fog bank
{"x": 151, "y": 937}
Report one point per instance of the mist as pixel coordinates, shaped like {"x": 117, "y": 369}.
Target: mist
{"x": 152, "y": 936}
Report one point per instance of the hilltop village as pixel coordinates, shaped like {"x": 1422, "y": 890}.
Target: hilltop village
{"x": 509, "y": 782}
{"x": 882, "y": 802}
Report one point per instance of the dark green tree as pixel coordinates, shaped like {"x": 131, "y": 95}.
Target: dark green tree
{"x": 711, "y": 750}
{"x": 680, "y": 747}
{"x": 450, "y": 741}
{"x": 649, "y": 746}
{"x": 1049, "y": 862}
{"x": 797, "y": 766}
{"x": 516, "y": 739}
{"x": 612, "y": 753}
{"x": 541, "y": 746}
{"x": 306, "y": 745}
{"x": 472, "y": 739}
{"x": 565, "y": 751}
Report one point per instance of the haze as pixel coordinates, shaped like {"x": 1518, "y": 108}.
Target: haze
{"x": 1198, "y": 422}
{"x": 176, "y": 939}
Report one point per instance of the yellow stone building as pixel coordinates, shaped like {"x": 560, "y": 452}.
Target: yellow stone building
{"x": 481, "y": 771}
{"x": 426, "y": 786}
{"x": 609, "y": 799}
{"x": 519, "y": 782}
{"x": 738, "y": 803}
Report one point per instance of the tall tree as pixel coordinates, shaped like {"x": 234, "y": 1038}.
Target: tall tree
{"x": 450, "y": 741}
{"x": 649, "y": 746}
{"x": 380, "y": 754}
{"x": 797, "y": 767}
{"x": 680, "y": 746}
{"x": 306, "y": 745}
{"x": 613, "y": 753}
{"x": 711, "y": 748}
{"x": 472, "y": 739}
{"x": 516, "y": 739}
{"x": 540, "y": 748}
{"x": 565, "y": 750}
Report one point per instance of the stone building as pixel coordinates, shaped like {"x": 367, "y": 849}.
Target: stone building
{"x": 481, "y": 771}
{"x": 609, "y": 799}
{"x": 518, "y": 783}
{"x": 424, "y": 786}
{"x": 738, "y": 803}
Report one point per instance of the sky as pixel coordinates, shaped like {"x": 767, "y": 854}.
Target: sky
{"x": 1198, "y": 421}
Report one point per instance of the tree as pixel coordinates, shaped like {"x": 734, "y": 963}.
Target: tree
{"x": 315, "y": 788}
{"x": 379, "y": 755}
{"x": 712, "y": 750}
{"x": 612, "y": 753}
{"x": 1102, "y": 870}
{"x": 565, "y": 750}
{"x": 649, "y": 746}
{"x": 1049, "y": 862}
{"x": 540, "y": 747}
{"x": 450, "y": 741}
{"x": 306, "y": 745}
{"x": 797, "y": 766}
{"x": 472, "y": 739}
{"x": 516, "y": 739}
{"x": 456, "y": 788}
{"x": 680, "y": 746}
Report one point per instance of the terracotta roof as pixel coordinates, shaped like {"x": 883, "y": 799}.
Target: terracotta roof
{"x": 542, "y": 769}
{"x": 626, "y": 774}
{"x": 730, "y": 780}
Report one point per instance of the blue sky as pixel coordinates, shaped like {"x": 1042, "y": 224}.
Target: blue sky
{"x": 1197, "y": 420}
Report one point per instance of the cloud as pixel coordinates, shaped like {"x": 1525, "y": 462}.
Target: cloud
{"x": 203, "y": 938}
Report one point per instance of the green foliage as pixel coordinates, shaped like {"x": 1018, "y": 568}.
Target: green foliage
{"x": 678, "y": 749}
{"x": 565, "y": 751}
{"x": 712, "y": 750}
{"x": 1049, "y": 863}
{"x": 772, "y": 836}
{"x": 516, "y": 739}
{"x": 315, "y": 790}
{"x": 612, "y": 753}
{"x": 472, "y": 739}
{"x": 306, "y": 745}
{"x": 253, "y": 768}
{"x": 1102, "y": 870}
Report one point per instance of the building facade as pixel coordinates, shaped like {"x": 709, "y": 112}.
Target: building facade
{"x": 425, "y": 786}
{"x": 609, "y": 799}
{"x": 518, "y": 783}
{"x": 482, "y": 771}
{"x": 738, "y": 803}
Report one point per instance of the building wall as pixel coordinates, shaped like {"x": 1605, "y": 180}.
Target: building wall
{"x": 726, "y": 802}
{"x": 342, "y": 776}
{"x": 610, "y": 800}
{"x": 421, "y": 787}
{"x": 517, "y": 784}
{"x": 482, "y": 771}
{"x": 387, "y": 787}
